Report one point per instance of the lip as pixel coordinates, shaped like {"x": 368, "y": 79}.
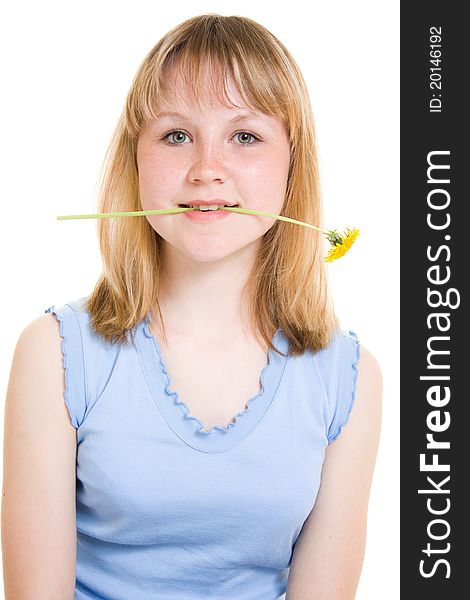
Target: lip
{"x": 206, "y": 216}
{"x": 218, "y": 201}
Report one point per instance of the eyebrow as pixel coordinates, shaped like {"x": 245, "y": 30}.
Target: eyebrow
{"x": 249, "y": 115}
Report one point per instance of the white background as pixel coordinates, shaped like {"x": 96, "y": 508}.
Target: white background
{"x": 66, "y": 70}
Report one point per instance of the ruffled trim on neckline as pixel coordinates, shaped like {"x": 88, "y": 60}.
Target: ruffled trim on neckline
{"x": 185, "y": 413}
{"x": 355, "y": 368}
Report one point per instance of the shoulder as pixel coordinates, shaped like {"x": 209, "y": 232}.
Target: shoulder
{"x": 40, "y": 336}
{"x": 36, "y": 382}
{"x": 363, "y": 428}
{"x": 75, "y": 328}
{"x": 369, "y": 368}
{"x": 355, "y": 367}
{"x": 61, "y": 335}
{"x": 352, "y": 378}
{"x": 343, "y": 348}
{"x": 88, "y": 359}
{"x": 39, "y": 348}
{"x": 369, "y": 386}
{"x": 36, "y": 368}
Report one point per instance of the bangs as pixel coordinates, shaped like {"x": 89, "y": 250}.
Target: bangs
{"x": 207, "y": 76}
{"x": 204, "y": 61}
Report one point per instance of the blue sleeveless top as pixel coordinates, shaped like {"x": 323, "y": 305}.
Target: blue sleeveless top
{"x": 168, "y": 510}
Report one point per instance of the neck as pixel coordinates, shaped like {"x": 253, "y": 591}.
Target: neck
{"x": 205, "y": 299}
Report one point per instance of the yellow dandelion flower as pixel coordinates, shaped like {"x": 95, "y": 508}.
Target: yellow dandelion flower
{"x": 340, "y": 245}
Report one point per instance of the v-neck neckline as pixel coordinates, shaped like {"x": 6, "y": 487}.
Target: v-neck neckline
{"x": 176, "y": 413}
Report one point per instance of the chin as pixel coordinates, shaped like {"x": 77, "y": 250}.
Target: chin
{"x": 209, "y": 251}
{"x": 207, "y": 257}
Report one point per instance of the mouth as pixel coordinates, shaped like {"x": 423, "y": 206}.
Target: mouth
{"x": 207, "y": 207}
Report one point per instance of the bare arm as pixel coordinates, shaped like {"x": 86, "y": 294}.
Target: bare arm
{"x": 329, "y": 552}
{"x": 39, "y": 462}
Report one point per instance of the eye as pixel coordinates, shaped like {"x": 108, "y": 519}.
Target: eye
{"x": 175, "y": 137}
{"x": 243, "y": 135}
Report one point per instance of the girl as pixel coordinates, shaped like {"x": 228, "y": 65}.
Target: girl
{"x": 200, "y": 450}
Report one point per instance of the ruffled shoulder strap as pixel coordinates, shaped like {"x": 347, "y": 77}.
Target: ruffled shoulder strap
{"x": 88, "y": 360}
{"x": 339, "y": 368}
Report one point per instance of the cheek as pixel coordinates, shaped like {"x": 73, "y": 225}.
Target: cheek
{"x": 156, "y": 177}
{"x": 267, "y": 181}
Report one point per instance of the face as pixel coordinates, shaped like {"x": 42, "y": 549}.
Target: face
{"x": 226, "y": 155}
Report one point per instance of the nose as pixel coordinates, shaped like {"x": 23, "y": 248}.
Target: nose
{"x": 207, "y": 165}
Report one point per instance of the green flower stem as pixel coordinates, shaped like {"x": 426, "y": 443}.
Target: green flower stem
{"x": 166, "y": 211}
{"x": 273, "y": 216}
{"x": 135, "y": 213}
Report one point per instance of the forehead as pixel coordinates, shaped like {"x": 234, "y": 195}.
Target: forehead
{"x": 210, "y": 89}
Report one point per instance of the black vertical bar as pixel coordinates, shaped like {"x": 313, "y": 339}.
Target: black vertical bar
{"x": 435, "y": 268}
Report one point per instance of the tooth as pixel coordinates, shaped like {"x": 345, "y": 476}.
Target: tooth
{"x": 209, "y": 207}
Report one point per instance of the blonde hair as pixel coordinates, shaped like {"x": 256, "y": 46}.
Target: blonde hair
{"x": 287, "y": 287}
